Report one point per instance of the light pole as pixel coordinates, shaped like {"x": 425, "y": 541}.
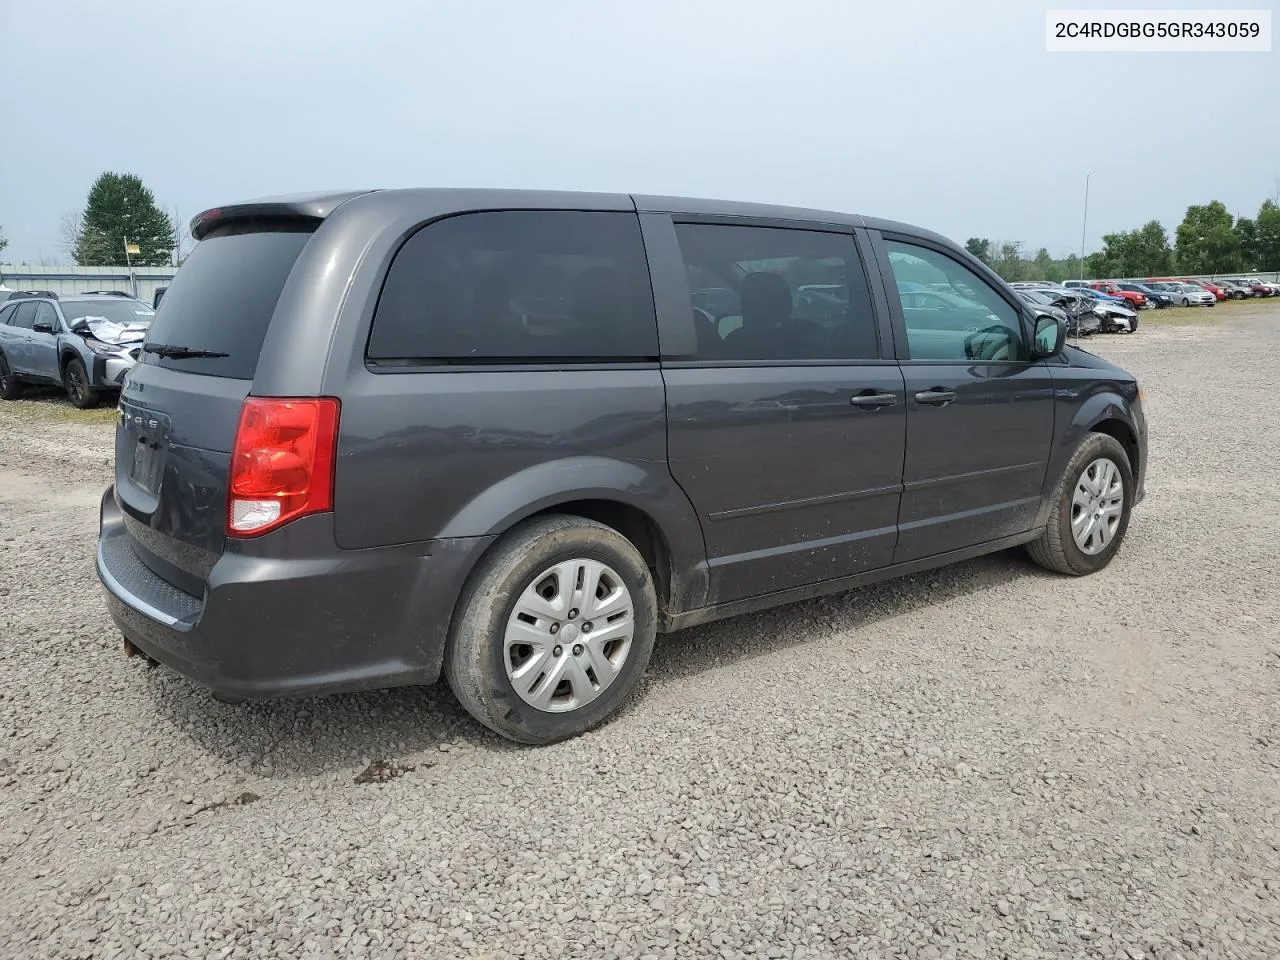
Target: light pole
{"x": 1084, "y": 222}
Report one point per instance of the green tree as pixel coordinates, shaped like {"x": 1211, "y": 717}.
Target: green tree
{"x": 1207, "y": 241}
{"x": 1267, "y": 248}
{"x": 1246, "y": 232}
{"x": 1009, "y": 262}
{"x": 1070, "y": 268}
{"x": 121, "y": 209}
{"x": 1096, "y": 265}
{"x": 1151, "y": 251}
{"x": 1143, "y": 252}
{"x": 980, "y": 247}
{"x": 1042, "y": 265}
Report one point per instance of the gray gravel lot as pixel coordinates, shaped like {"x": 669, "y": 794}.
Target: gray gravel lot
{"x": 983, "y": 761}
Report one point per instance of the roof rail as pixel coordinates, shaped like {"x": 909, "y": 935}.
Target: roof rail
{"x": 104, "y": 293}
{"x": 24, "y": 294}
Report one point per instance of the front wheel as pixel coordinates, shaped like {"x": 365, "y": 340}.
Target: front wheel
{"x": 76, "y": 379}
{"x": 1186, "y": 302}
{"x": 10, "y": 388}
{"x": 553, "y": 631}
{"x": 1090, "y": 510}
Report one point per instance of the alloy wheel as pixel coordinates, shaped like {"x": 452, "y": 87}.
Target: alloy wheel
{"x": 75, "y": 383}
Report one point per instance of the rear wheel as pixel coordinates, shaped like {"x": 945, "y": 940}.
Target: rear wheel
{"x": 554, "y": 630}
{"x": 76, "y": 379}
{"x": 10, "y": 388}
{"x": 1090, "y": 510}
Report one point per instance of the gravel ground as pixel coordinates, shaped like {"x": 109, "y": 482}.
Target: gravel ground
{"x": 983, "y": 761}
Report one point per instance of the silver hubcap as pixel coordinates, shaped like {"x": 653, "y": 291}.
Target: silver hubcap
{"x": 569, "y": 635}
{"x": 1096, "y": 506}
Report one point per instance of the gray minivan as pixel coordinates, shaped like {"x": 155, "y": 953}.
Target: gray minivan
{"x": 510, "y": 436}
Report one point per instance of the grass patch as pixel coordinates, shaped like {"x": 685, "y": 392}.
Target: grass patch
{"x": 1184, "y": 316}
{"x": 52, "y": 408}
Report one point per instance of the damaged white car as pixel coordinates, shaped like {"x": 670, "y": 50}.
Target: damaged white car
{"x": 84, "y": 343}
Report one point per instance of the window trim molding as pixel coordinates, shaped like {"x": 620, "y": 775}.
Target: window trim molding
{"x": 730, "y": 364}
{"x": 541, "y": 365}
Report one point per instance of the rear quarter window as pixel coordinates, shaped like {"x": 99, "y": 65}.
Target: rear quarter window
{"x": 518, "y": 286}
{"x": 224, "y": 295}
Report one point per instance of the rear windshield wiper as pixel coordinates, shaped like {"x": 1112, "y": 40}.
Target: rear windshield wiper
{"x": 168, "y": 350}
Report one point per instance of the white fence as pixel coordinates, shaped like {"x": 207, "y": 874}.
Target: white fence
{"x": 65, "y": 281}
{"x": 1268, "y": 277}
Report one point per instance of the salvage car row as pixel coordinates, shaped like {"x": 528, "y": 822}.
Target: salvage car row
{"x": 1165, "y": 291}
{"x": 1086, "y": 311}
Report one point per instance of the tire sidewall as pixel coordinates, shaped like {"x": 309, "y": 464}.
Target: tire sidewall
{"x": 9, "y": 388}
{"x": 503, "y": 590}
{"x": 1096, "y": 446}
{"x": 89, "y": 398}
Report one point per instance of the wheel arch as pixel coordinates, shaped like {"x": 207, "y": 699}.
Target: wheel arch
{"x": 1106, "y": 411}
{"x": 1124, "y": 434}
{"x": 65, "y": 355}
{"x": 639, "y": 500}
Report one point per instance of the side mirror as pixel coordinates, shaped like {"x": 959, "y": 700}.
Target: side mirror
{"x": 80, "y": 326}
{"x": 1050, "y": 338}
{"x": 42, "y": 326}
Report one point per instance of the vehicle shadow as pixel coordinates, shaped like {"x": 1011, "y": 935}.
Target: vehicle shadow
{"x": 411, "y": 725}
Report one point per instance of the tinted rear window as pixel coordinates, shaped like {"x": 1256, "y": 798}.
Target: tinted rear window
{"x": 522, "y": 286}
{"x": 223, "y": 297}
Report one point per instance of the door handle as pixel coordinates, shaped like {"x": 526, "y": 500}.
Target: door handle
{"x": 873, "y": 401}
{"x": 935, "y": 396}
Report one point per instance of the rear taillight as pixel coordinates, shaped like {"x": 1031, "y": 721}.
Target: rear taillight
{"x": 281, "y": 462}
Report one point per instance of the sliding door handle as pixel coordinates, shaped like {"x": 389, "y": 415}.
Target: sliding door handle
{"x": 873, "y": 401}
{"x": 935, "y": 397}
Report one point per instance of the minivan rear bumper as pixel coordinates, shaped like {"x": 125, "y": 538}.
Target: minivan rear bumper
{"x": 271, "y": 626}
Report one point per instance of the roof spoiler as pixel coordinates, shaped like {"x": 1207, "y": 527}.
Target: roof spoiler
{"x": 301, "y": 207}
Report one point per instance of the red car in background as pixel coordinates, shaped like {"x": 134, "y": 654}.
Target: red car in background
{"x": 1219, "y": 293}
{"x": 1259, "y": 288}
{"x": 1136, "y": 300}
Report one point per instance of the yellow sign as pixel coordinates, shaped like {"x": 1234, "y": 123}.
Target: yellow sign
{"x": 132, "y": 249}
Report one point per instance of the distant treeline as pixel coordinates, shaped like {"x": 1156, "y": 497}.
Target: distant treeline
{"x": 1208, "y": 241}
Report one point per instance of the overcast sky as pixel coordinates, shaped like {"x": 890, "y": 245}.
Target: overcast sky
{"x": 949, "y": 115}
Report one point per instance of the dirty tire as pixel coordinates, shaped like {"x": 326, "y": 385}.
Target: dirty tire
{"x": 1056, "y": 549}
{"x": 475, "y": 656}
{"x": 10, "y": 388}
{"x": 76, "y": 380}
